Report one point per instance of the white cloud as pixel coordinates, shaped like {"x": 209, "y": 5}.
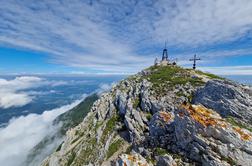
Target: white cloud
{"x": 229, "y": 70}
{"x": 214, "y": 54}
{"x": 109, "y": 35}
{"x": 64, "y": 30}
{"x": 196, "y": 22}
{"x": 104, "y": 88}
{"x": 55, "y": 83}
{"x": 11, "y": 94}
{"x": 11, "y": 99}
{"x": 14, "y": 93}
{"x": 23, "y": 133}
{"x": 20, "y": 83}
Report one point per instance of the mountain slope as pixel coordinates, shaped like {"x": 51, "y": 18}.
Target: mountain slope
{"x": 163, "y": 116}
{"x": 65, "y": 121}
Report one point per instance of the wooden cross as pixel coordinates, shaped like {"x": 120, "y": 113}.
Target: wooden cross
{"x": 194, "y": 61}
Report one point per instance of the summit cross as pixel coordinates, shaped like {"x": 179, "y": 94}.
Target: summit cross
{"x": 194, "y": 61}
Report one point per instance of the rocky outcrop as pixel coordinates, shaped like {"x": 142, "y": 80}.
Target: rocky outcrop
{"x": 163, "y": 116}
{"x": 227, "y": 98}
{"x": 132, "y": 160}
{"x": 204, "y": 136}
{"x": 166, "y": 160}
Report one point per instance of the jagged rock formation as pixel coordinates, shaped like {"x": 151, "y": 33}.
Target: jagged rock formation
{"x": 163, "y": 116}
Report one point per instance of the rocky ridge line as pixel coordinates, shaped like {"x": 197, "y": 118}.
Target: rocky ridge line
{"x": 164, "y": 116}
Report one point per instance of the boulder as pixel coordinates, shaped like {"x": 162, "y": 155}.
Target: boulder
{"x": 166, "y": 160}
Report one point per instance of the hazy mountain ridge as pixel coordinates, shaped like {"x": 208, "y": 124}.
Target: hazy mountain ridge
{"x": 164, "y": 116}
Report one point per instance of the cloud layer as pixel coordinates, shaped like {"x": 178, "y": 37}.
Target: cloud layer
{"x": 23, "y": 133}
{"x": 121, "y": 36}
{"x": 14, "y": 92}
{"x": 197, "y": 22}
{"x": 229, "y": 70}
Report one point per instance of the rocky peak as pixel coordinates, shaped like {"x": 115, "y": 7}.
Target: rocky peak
{"x": 164, "y": 115}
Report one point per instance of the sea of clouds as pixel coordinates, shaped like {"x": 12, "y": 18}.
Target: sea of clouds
{"x": 13, "y": 92}
{"x": 19, "y": 137}
{"x": 21, "y": 134}
{"x": 25, "y": 132}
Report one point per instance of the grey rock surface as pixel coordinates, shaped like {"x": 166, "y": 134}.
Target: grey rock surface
{"x": 166, "y": 160}
{"x": 227, "y": 98}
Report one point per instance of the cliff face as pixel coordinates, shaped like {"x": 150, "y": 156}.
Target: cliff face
{"x": 163, "y": 116}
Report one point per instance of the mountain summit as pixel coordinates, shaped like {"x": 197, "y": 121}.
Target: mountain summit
{"x": 165, "y": 116}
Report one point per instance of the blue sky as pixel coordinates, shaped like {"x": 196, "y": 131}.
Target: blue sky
{"x": 120, "y": 37}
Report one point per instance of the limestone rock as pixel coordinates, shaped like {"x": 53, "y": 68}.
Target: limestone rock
{"x": 227, "y": 98}
{"x": 166, "y": 160}
{"x": 132, "y": 160}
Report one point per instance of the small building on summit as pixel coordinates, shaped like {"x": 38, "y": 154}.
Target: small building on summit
{"x": 165, "y": 60}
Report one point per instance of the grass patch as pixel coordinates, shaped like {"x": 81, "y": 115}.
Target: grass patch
{"x": 161, "y": 76}
{"x": 114, "y": 147}
{"x": 93, "y": 141}
{"x": 78, "y": 135}
{"x": 129, "y": 149}
{"x": 161, "y": 151}
{"x": 213, "y": 76}
{"x": 136, "y": 103}
{"x": 71, "y": 158}
{"x": 234, "y": 122}
{"x": 59, "y": 147}
{"x": 109, "y": 127}
{"x": 76, "y": 139}
{"x": 229, "y": 160}
{"x": 97, "y": 125}
{"x": 190, "y": 97}
{"x": 177, "y": 156}
{"x": 148, "y": 116}
{"x": 89, "y": 153}
{"x": 179, "y": 94}
{"x": 151, "y": 160}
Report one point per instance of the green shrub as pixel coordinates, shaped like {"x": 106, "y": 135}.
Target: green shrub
{"x": 161, "y": 151}
{"x": 148, "y": 116}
